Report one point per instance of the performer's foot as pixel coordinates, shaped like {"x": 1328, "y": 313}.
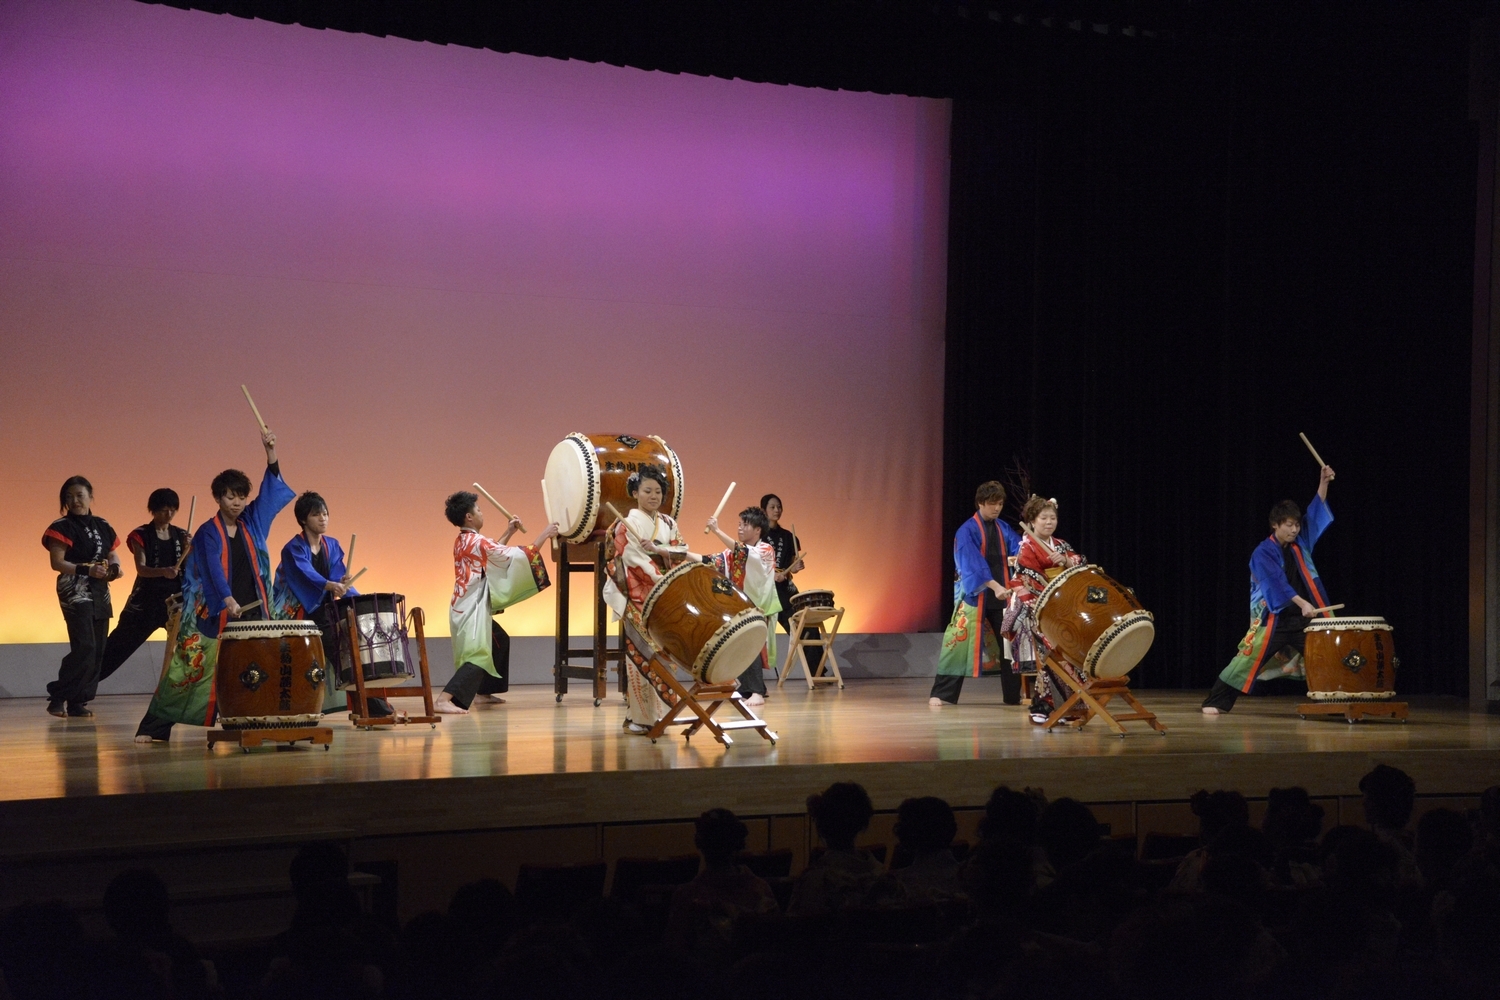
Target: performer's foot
{"x": 1039, "y": 718}
{"x": 636, "y": 729}
{"x": 445, "y": 706}
{"x": 143, "y": 738}
{"x": 79, "y": 712}
{"x": 1210, "y": 710}
{"x": 489, "y": 699}
{"x": 935, "y": 702}
{"x": 57, "y": 708}
{"x": 756, "y": 700}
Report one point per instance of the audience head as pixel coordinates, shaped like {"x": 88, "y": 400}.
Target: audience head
{"x": 925, "y": 825}
{"x": 1444, "y": 838}
{"x": 1067, "y": 831}
{"x": 136, "y": 905}
{"x": 1011, "y": 815}
{"x": 1358, "y": 863}
{"x": 840, "y": 813}
{"x": 1390, "y": 795}
{"x": 719, "y": 836}
{"x": 1217, "y": 810}
{"x": 1291, "y": 818}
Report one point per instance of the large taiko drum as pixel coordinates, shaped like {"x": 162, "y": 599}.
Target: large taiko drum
{"x": 705, "y": 623}
{"x": 1097, "y": 625}
{"x": 1350, "y": 659}
{"x": 586, "y": 471}
{"x": 382, "y": 641}
{"x": 270, "y": 674}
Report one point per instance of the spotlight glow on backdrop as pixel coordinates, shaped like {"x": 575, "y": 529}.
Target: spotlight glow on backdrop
{"x": 430, "y": 264}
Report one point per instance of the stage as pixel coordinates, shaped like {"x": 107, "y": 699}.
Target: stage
{"x": 534, "y": 780}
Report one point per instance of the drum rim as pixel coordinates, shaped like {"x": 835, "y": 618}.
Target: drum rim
{"x": 676, "y": 475}
{"x": 589, "y": 516}
{"x": 1056, "y": 582}
{"x": 660, "y": 587}
{"x": 273, "y": 628}
{"x": 1365, "y": 623}
{"x": 722, "y": 635}
{"x": 1109, "y": 635}
{"x": 269, "y": 721}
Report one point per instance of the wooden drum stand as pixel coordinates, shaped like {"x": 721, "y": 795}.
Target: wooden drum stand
{"x": 598, "y": 655}
{"x": 359, "y": 695}
{"x": 693, "y": 699}
{"x": 1093, "y": 695}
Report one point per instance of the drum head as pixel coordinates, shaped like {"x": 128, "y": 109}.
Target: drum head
{"x": 734, "y": 647}
{"x": 573, "y": 487}
{"x": 275, "y": 629}
{"x": 1126, "y": 643}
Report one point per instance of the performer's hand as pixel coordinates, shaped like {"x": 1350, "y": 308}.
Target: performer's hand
{"x": 170, "y": 573}
{"x": 1061, "y": 559}
{"x": 550, "y": 531}
{"x": 337, "y": 588}
{"x": 1326, "y": 476}
{"x": 996, "y": 587}
{"x": 712, "y": 524}
{"x": 268, "y": 440}
{"x": 1303, "y": 605}
{"x": 232, "y": 606}
{"x": 99, "y": 571}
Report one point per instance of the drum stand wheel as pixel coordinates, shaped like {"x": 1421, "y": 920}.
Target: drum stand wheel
{"x": 359, "y": 695}
{"x": 702, "y": 701}
{"x": 247, "y": 738}
{"x": 1091, "y": 697}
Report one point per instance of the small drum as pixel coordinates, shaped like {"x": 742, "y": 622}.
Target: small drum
{"x": 586, "y": 471}
{"x": 1350, "y": 659}
{"x": 1096, "y": 624}
{"x": 381, "y": 619}
{"x": 695, "y": 614}
{"x": 810, "y": 599}
{"x": 270, "y": 674}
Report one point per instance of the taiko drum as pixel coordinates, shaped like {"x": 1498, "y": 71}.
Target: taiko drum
{"x": 1096, "y": 624}
{"x": 1350, "y": 659}
{"x": 587, "y": 471}
{"x": 269, "y": 674}
{"x": 704, "y": 622}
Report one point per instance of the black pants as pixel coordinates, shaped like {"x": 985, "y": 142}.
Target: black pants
{"x": 470, "y": 680}
{"x": 947, "y": 687}
{"x": 1286, "y": 632}
{"x": 753, "y": 680}
{"x": 139, "y": 619}
{"x": 78, "y": 674}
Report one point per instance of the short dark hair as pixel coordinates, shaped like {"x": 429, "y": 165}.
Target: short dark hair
{"x": 1217, "y": 811}
{"x": 308, "y": 504}
{"x": 840, "y": 812}
{"x": 72, "y": 481}
{"x": 1287, "y": 510}
{"x": 646, "y": 471}
{"x": 161, "y": 499}
{"x": 459, "y": 504}
{"x": 925, "y": 824}
{"x": 756, "y": 518}
{"x": 988, "y": 493}
{"x": 765, "y": 501}
{"x": 1390, "y": 796}
{"x": 719, "y": 834}
{"x": 230, "y": 481}
{"x": 1034, "y": 508}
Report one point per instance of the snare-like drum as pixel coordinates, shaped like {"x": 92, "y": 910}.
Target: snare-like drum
{"x": 810, "y": 599}
{"x": 270, "y": 674}
{"x": 381, "y": 620}
{"x": 695, "y": 614}
{"x": 1095, "y": 623}
{"x": 586, "y": 471}
{"x": 1350, "y": 659}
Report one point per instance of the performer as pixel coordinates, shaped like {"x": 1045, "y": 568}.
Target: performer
{"x": 82, "y": 550}
{"x": 310, "y": 580}
{"x": 488, "y": 577}
{"x": 1041, "y": 558}
{"x": 228, "y": 567}
{"x": 646, "y": 545}
{"x": 1285, "y": 590}
{"x": 158, "y": 547}
{"x": 981, "y": 550}
{"x": 750, "y": 564}
{"x": 788, "y": 561}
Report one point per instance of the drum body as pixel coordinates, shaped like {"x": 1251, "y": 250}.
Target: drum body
{"x": 710, "y": 628}
{"x": 381, "y": 620}
{"x": 1350, "y": 659}
{"x": 1095, "y": 623}
{"x": 270, "y": 674}
{"x": 810, "y": 599}
{"x": 586, "y": 471}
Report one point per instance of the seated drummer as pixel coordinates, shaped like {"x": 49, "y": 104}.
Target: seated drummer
{"x": 750, "y": 564}
{"x": 310, "y": 580}
{"x": 1285, "y": 590}
{"x": 1041, "y": 557}
{"x": 981, "y": 550}
{"x": 228, "y": 570}
{"x": 489, "y": 576}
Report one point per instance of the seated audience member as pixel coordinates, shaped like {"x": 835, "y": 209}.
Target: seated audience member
{"x": 137, "y": 909}
{"x": 1292, "y": 824}
{"x": 1216, "y": 811}
{"x": 925, "y": 829}
{"x": 1389, "y": 798}
{"x": 843, "y": 878}
{"x": 705, "y": 911}
{"x": 1067, "y": 832}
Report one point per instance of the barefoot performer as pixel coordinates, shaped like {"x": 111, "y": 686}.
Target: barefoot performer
{"x": 227, "y": 576}
{"x": 488, "y": 577}
{"x": 82, "y": 551}
{"x": 750, "y": 564}
{"x": 971, "y": 645}
{"x": 1285, "y": 591}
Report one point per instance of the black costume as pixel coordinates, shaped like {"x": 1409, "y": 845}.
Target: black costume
{"x": 146, "y": 608}
{"x": 85, "y": 607}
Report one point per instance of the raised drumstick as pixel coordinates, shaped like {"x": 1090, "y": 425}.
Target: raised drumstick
{"x": 720, "y": 509}
{"x": 349, "y": 555}
{"x": 500, "y": 507}
{"x": 1318, "y": 458}
{"x": 192, "y": 506}
{"x": 255, "y": 410}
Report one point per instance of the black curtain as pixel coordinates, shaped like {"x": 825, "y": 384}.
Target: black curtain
{"x": 1164, "y": 264}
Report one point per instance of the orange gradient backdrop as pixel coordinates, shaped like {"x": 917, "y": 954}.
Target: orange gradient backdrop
{"x": 430, "y": 264}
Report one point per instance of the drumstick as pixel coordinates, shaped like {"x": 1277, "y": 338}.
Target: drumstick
{"x": 547, "y": 504}
{"x": 719, "y": 509}
{"x": 255, "y": 410}
{"x": 498, "y": 506}
{"x": 621, "y": 518}
{"x": 1315, "y": 455}
{"x": 192, "y": 506}
{"x": 1331, "y": 607}
{"x": 349, "y": 555}
{"x": 249, "y": 607}
{"x": 356, "y": 576}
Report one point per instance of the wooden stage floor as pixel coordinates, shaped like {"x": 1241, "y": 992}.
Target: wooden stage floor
{"x": 535, "y": 763}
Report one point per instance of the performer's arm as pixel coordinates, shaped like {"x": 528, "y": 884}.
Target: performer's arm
{"x": 56, "y": 550}
{"x": 713, "y": 525}
{"x": 973, "y": 571}
{"x": 513, "y": 526}
{"x": 1324, "y": 478}
{"x": 1268, "y": 570}
{"x": 133, "y": 543}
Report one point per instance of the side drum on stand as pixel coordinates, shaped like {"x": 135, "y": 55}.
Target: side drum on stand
{"x": 1097, "y": 624}
{"x": 709, "y": 628}
{"x": 382, "y": 640}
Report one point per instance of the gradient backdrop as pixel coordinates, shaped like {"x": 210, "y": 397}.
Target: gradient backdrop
{"x": 430, "y": 264}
